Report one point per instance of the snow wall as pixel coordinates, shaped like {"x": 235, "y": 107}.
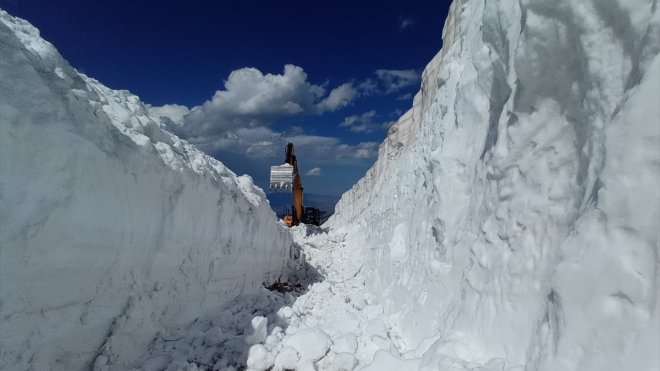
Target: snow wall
{"x": 512, "y": 216}
{"x": 111, "y": 228}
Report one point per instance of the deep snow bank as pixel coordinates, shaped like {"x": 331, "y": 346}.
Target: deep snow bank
{"x": 111, "y": 228}
{"x": 512, "y": 216}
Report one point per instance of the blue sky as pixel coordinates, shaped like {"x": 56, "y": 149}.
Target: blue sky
{"x": 239, "y": 79}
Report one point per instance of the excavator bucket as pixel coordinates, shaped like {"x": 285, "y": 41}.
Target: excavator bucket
{"x": 281, "y": 178}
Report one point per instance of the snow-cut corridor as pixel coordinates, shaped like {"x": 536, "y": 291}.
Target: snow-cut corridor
{"x": 331, "y": 324}
{"x": 509, "y": 223}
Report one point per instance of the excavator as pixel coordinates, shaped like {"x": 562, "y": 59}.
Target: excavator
{"x": 285, "y": 178}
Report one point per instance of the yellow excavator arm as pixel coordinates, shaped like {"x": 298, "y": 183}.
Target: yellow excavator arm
{"x": 297, "y": 212}
{"x": 286, "y": 177}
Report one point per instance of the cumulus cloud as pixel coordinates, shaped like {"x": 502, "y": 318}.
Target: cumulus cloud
{"x": 235, "y": 124}
{"x": 368, "y": 87}
{"x": 172, "y": 116}
{"x": 338, "y": 98}
{"x": 366, "y": 150}
{"x": 252, "y": 99}
{"x": 395, "y": 80}
{"x": 330, "y": 149}
{"x": 173, "y": 112}
{"x": 388, "y": 82}
{"x": 364, "y": 123}
{"x": 263, "y": 144}
{"x": 314, "y": 171}
{"x": 255, "y": 143}
{"x": 360, "y": 123}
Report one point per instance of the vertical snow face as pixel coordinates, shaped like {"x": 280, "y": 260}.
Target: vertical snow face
{"x": 523, "y": 183}
{"x": 111, "y": 228}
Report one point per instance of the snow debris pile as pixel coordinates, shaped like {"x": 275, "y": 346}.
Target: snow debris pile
{"x": 111, "y": 228}
{"x": 511, "y": 219}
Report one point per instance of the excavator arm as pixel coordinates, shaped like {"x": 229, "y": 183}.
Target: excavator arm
{"x": 297, "y": 212}
{"x": 286, "y": 177}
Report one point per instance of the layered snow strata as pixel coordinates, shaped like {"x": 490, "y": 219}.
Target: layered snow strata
{"x": 515, "y": 225}
{"x": 111, "y": 228}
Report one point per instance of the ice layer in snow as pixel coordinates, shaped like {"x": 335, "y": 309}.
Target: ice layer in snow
{"x": 111, "y": 228}
{"x": 511, "y": 219}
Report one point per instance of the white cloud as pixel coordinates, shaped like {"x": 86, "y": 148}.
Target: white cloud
{"x": 330, "y": 149}
{"x": 314, "y": 171}
{"x": 174, "y": 112}
{"x": 366, "y": 150}
{"x": 252, "y": 99}
{"x": 234, "y": 125}
{"x": 264, "y": 144}
{"x": 172, "y": 116}
{"x": 360, "y": 123}
{"x": 258, "y": 142}
{"x": 388, "y": 82}
{"x": 368, "y": 87}
{"x": 364, "y": 123}
{"x": 395, "y": 80}
{"x": 339, "y": 97}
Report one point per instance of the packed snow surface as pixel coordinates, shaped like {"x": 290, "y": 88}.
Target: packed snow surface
{"x": 111, "y": 228}
{"x": 332, "y": 324}
{"x": 509, "y": 223}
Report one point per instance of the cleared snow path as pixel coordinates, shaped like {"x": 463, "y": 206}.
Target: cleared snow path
{"x": 332, "y": 324}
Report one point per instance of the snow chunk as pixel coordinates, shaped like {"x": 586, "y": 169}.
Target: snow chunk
{"x": 399, "y": 242}
{"x": 287, "y": 358}
{"x": 346, "y": 343}
{"x": 305, "y": 366}
{"x": 311, "y": 344}
{"x": 258, "y": 331}
{"x": 385, "y": 361}
{"x": 258, "y": 358}
{"x": 285, "y": 312}
{"x": 320, "y": 287}
{"x": 344, "y": 361}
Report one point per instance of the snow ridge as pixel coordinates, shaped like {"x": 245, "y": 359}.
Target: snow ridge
{"x": 111, "y": 228}
{"x": 510, "y": 221}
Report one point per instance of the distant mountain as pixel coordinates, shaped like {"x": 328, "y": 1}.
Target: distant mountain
{"x": 279, "y": 201}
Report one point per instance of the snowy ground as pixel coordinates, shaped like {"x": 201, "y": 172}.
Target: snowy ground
{"x": 330, "y": 323}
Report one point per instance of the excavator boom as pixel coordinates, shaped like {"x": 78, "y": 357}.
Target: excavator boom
{"x": 285, "y": 177}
